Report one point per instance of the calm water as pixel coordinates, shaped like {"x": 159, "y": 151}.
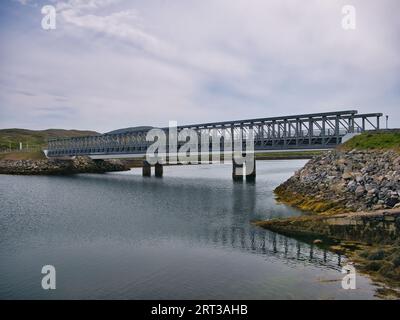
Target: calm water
{"x": 187, "y": 235}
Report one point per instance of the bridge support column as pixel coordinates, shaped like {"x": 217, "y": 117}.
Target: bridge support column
{"x": 158, "y": 170}
{"x": 146, "y": 170}
{"x": 251, "y": 170}
{"x": 237, "y": 171}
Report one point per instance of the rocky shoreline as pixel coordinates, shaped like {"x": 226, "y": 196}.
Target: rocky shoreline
{"x": 340, "y": 181}
{"x": 60, "y": 166}
{"x": 352, "y": 200}
{"x": 370, "y": 239}
{"x": 381, "y": 226}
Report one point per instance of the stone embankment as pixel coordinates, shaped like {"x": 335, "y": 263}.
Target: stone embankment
{"x": 345, "y": 182}
{"x": 60, "y": 167}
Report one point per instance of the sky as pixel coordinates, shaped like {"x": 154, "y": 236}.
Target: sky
{"x": 112, "y": 64}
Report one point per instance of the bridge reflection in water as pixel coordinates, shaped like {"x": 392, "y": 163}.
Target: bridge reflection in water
{"x": 209, "y": 212}
{"x": 186, "y": 236}
{"x": 268, "y": 243}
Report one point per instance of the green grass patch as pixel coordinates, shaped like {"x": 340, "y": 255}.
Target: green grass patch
{"x": 310, "y": 153}
{"x": 32, "y": 138}
{"x": 374, "y": 140}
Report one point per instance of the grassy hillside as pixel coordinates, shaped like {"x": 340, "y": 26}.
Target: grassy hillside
{"x": 386, "y": 139}
{"x": 35, "y": 138}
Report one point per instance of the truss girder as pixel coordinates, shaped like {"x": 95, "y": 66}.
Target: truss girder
{"x": 318, "y": 130}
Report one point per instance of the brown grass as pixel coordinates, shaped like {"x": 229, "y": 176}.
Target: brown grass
{"x": 35, "y": 155}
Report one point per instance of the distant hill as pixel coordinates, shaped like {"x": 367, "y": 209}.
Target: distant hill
{"x": 35, "y": 138}
{"x": 130, "y": 129}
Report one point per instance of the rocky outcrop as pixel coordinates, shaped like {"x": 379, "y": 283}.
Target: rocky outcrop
{"x": 59, "y": 167}
{"x": 381, "y": 226}
{"x": 345, "y": 182}
{"x": 366, "y": 185}
{"x": 370, "y": 239}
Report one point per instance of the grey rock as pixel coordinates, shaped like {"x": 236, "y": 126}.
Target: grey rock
{"x": 360, "y": 190}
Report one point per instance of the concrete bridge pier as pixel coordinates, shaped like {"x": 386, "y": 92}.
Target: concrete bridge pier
{"x": 146, "y": 169}
{"x": 248, "y": 169}
{"x": 237, "y": 171}
{"x": 251, "y": 172}
{"x": 158, "y": 170}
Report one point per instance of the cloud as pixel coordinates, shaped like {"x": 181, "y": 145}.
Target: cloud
{"x": 124, "y": 63}
{"x": 23, "y": 2}
{"x": 126, "y": 26}
{"x": 113, "y": 25}
{"x": 81, "y": 5}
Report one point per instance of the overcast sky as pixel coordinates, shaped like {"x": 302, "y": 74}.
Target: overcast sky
{"x": 114, "y": 63}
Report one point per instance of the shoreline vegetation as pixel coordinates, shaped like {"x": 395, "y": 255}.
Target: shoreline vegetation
{"x": 21, "y": 153}
{"x": 12, "y": 139}
{"x": 351, "y": 202}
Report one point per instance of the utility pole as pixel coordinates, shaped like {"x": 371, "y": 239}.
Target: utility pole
{"x": 387, "y": 122}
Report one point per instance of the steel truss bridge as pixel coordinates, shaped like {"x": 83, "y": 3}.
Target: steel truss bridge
{"x": 304, "y": 131}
